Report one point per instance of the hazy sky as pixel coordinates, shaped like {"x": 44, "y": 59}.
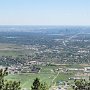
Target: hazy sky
{"x": 45, "y": 12}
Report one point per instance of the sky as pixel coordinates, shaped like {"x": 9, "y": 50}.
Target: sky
{"x": 44, "y": 12}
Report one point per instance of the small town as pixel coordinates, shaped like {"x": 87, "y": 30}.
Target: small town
{"x": 44, "y": 44}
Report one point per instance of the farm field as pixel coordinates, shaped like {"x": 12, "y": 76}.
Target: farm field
{"x": 14, "y": 50}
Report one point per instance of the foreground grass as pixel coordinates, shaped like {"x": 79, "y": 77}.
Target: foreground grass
{"x": 27, "y": 79}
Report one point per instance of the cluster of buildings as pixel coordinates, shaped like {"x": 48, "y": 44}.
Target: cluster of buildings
{"x": 24, "y": 69}
{"x": 30, "y": 67}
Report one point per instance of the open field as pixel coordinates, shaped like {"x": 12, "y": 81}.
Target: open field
{"x": 27, "y": 79}
{"x": 46, "y": 75}
{"x": 14, "y": 50}
{"x": 10, "y": 50}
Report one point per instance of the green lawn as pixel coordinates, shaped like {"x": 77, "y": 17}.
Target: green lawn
{"x": 27, "y": 79}
{"x": 64, "y": 76}
{"x": 46, "y": 75}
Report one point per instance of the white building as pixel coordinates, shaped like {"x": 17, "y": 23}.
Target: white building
{"x": 87, "y": 69}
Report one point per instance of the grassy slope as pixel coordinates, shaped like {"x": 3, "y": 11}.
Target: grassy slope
{"x": 46, "y": 75}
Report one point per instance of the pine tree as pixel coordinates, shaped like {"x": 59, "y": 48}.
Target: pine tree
{"x": 36, "y": 84}
{"x": 3, "y": 73}
{"x": 44, "y": 86}
{"x": 7, "y": 85}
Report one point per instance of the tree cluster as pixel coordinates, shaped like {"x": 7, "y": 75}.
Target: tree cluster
{"x": 37, "y": 85}
{"x": 82, "y": 85}
{"x": 7, "y": 85}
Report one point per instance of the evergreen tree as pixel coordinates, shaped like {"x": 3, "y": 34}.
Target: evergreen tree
{"x": 3, "y": 73}
{"x": 44, "y": 86}
{"x": 39, "y": 86}
{"x": 36, "y": 84}
{"x": 7, "y": 85}
{"x": 12, "y": 85}
{"x": 82, "y": 85}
